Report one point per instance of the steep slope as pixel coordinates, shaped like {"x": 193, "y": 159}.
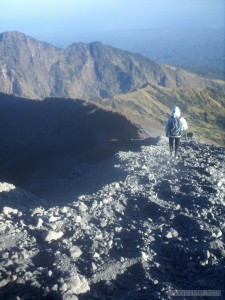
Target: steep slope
{"x": 26, "y": 64}
{"x": 34, "y": 69}
{"x": 150, "y": 107}
{"x": 138, "y": 226}
{"x": 41, "y": 138}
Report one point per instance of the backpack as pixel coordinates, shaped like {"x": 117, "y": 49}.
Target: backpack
{"x": 175, "y": 126}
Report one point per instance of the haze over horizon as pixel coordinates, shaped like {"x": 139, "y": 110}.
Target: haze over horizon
{"x": 85, "y": 19}
{"x": 183, "y": 33}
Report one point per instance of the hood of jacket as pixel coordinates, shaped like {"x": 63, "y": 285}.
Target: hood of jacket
{"x": 176, "y": 112}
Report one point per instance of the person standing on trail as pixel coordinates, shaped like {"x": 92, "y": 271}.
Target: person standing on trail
{"x": 174, "y": 128}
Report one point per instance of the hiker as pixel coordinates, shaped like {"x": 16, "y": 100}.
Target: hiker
{"x": 174, "y": 128}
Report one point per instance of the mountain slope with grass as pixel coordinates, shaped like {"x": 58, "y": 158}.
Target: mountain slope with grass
{"x": 151, "y": 105}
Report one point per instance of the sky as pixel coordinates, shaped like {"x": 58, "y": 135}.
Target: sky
{"x": 34, "y": 17}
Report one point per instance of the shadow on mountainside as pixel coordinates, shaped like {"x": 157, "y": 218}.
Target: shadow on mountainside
{"x": 87, "y": 177}
{"x": 17, "y": 198}
{"x": 27, "y": 292}
{"x": 43, "y": 143}
{"x": 45, "y": 139}
{"x": 52, "y": 185}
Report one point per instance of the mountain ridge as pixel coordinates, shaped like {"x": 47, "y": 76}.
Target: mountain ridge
{"x": 37, "y": 70}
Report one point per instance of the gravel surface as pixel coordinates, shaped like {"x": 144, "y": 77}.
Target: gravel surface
{"x": 137, "y": 226}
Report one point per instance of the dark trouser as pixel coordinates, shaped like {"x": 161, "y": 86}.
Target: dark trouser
{"x": 171, "y": 143}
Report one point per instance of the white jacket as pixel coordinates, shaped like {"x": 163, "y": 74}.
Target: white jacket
{"x": 176, "y": 114}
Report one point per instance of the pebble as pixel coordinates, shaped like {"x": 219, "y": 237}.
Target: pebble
{"x": 64, "y": 209}
{"x": 169, "y": 235}
{"x": 53, "y": 219}
{"x": 5, "y": 255}
{"x": 75, "y": 252}
{"x": 82, "y": 207}
{"x": 93, "y": 266}
{"x": 217, "y": 233}
{"x": 77, "y": 284}
{"x": 55, "y": 287}
{"x": 8, "y": 210}
{"x": 48, "y": 236}
{"x": 3, "y": 282}
{"x": 103, "y": 223}
{"x": 39, "y": 222}
{"x": 14, "y": 277}
{"x": 144, "y": 256}
{"x": 63, "y": 287}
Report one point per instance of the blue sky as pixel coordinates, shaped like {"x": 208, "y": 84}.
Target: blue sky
{"x": 66, "y": 16}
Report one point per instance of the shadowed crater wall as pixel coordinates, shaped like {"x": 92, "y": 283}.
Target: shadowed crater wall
{"x": 45, "y": 138}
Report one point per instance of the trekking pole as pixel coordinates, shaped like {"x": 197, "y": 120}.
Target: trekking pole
{"x": 186, "y": 140}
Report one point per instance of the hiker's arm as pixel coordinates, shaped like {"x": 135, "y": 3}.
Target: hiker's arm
{"x": 167, "y": 127}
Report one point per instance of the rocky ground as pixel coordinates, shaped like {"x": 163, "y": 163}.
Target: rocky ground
{"x": 137, "y": 226}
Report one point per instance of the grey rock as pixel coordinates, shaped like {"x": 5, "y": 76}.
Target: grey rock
{"x": 77, "y": 284}
{"x": 216, "y": 233}
{"x": 69, "y": 296}
{"x": 63, "y": 287}
{"x": 48, "y": 236}
{"x": 4, "y": 282}
{"x": 5, "y": 255}
{"x": 75, "y": 252}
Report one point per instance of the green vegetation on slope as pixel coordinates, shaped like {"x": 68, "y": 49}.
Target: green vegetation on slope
{"x": 150, "y": 107}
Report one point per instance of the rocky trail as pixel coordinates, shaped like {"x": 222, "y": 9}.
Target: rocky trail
{"x": 137, "y": 226}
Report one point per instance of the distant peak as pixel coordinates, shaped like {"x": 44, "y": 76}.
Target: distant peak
{"x": 12, "y": 36}
{"x": 82, "y": 44}
{"x": 8, "y": 34}
{"x": 96, "y": 43}
{"x": 18, "y": 37}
